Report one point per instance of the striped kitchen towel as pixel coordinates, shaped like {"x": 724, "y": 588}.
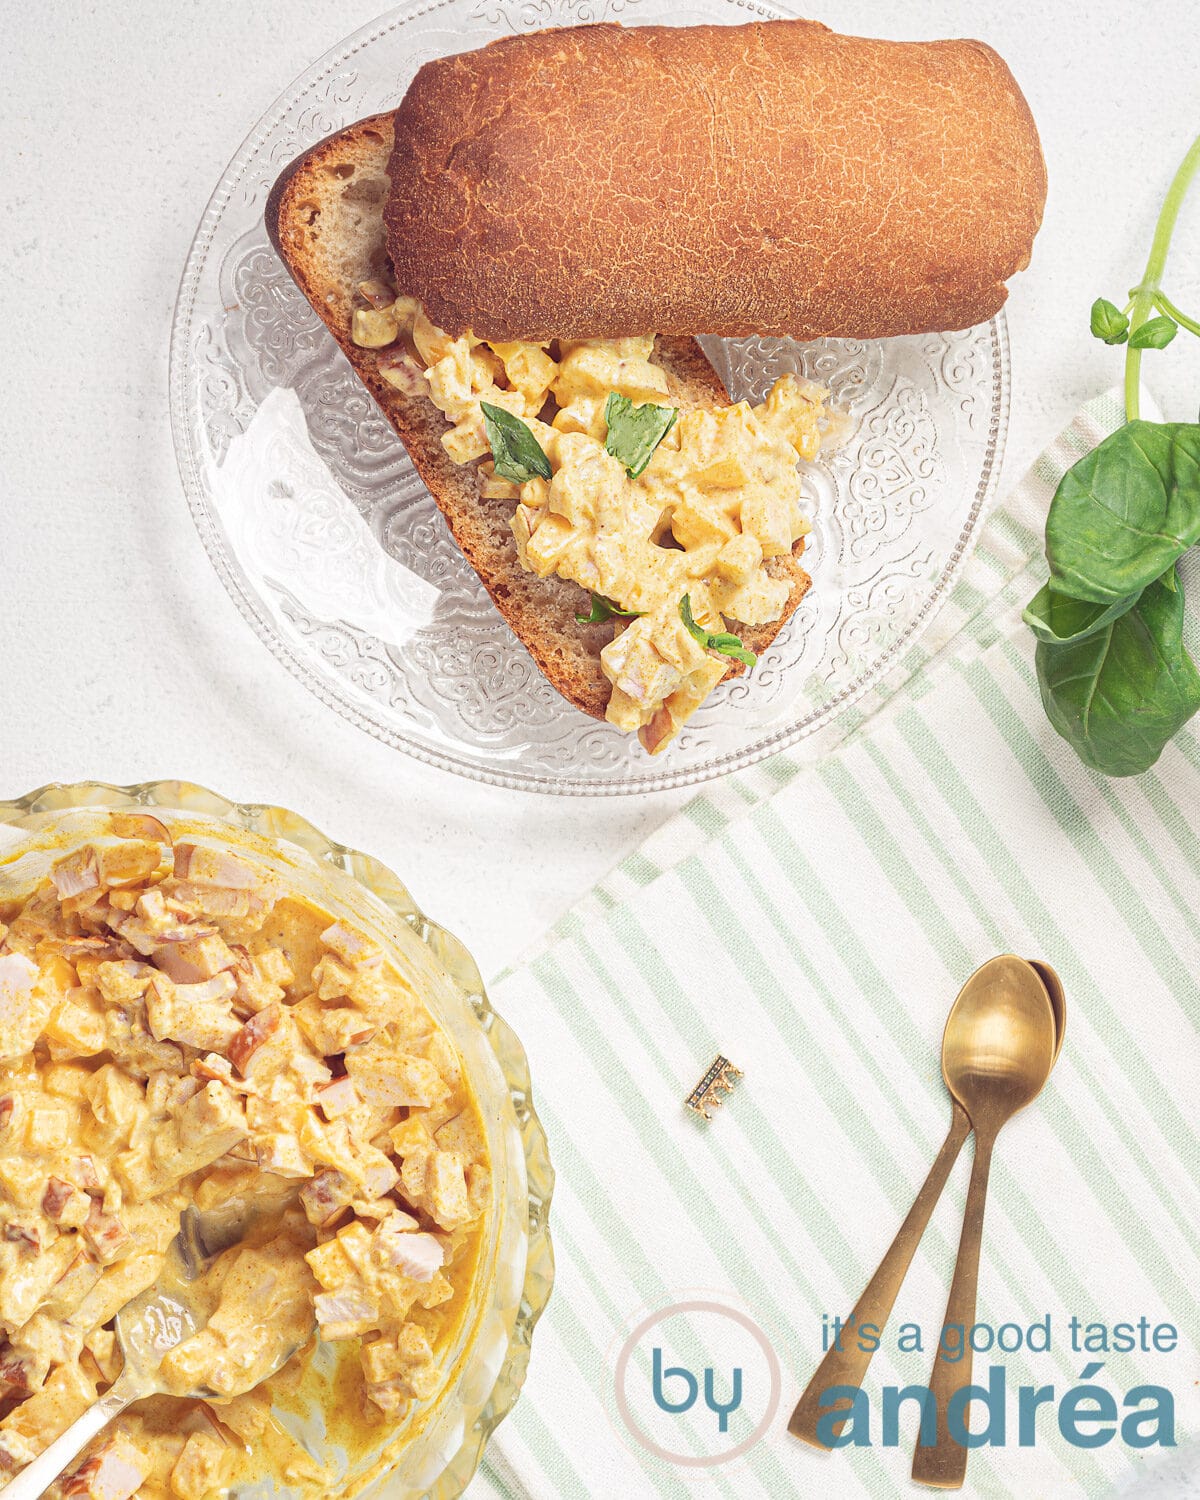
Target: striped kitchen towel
{"x": 813, "y": 920}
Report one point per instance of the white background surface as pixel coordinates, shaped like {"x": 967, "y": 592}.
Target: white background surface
{"x": 123, "y": 657}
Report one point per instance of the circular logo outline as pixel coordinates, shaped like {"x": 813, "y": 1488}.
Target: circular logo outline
{"x": 691, "y": 1460}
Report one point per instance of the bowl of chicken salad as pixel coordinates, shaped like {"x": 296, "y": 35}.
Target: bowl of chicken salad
{"x": 209, "y": 1007}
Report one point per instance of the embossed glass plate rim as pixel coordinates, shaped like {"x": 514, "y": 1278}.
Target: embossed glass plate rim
{"x": 252, "y": 610}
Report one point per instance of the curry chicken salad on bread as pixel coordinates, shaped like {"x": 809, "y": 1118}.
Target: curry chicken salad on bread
{"x": 493, "y": 257}
{"x": 669, "y": 532}
{"x": 178, "y": 1027}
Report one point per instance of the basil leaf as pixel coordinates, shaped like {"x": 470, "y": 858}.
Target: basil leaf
{"x": 635, "y": 431}
{"x": 722, "y": 641}
{"x": 605, "y": 609}
{"x": 1109, "y": 322}
{"x": 516, "y": 453}
{"x": 1119, "y": 695}
{"x": 1126, "y": 512}
{"x": 1154, "y": 333}
{"x": 1060, "y": 620}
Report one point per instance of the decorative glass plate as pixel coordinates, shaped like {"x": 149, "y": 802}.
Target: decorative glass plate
{"x": 441, "y": 1442}
{"x": 337, "y": 555}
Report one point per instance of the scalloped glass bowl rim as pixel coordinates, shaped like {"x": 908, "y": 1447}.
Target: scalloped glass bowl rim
{"x": 445, "y": 759}
{"x": 278, "y": 825}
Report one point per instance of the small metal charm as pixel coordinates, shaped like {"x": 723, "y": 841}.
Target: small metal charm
{"x": 721, "y": 1077}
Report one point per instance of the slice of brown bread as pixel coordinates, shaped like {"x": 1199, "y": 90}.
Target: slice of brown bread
{"x": 325, "y": 218}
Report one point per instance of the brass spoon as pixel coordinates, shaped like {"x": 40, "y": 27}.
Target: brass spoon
{"x": 848, "y": 1365}
{"x": 996, "y": 1056}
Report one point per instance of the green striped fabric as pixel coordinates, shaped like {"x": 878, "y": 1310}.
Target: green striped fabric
{"x": 812, "y": 920}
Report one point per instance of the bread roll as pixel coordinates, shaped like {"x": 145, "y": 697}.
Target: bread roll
{"x": 773, "y": 178}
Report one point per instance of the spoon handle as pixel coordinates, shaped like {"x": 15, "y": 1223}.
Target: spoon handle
{"x": 848, "y": 1365}
{"x": 36, "y": 1478}
{"x": 944, "y": 1463}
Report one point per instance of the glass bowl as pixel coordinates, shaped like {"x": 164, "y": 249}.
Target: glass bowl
{"x": 442, "y": 1439}
{"x": 336, "y": 554}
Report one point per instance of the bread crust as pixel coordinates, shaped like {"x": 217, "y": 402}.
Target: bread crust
{"x": 771, "y": 178}
{"x": 324, "y": 218}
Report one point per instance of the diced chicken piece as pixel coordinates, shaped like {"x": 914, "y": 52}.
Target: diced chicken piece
{"x": 213, "y": 1066}
{"x": 137, "y": 1052}
{"x": 256, "y": 990}
{"x": 124, "y": 982}
{"x": 206, "y": 955}
{"x": 105, "y": 1233}
{"x": 75, "y": 1031}
{"x": 204, "y": 866}
{"x": 210, "y": 900}
{"x": 76, "y": 873}
{"x": 435, "y": 1181}
{"x": 381, "y": 1076}
{"x": 346, "y": 1314}
{"x": 334, "y": 979}
{"x": 252, "y": 1036}
{"x": 203, "y": 1468}
{"x": 114, "y": 1472}
{"x": 447, "y": 1188}
{"x": 65, "y": 1204}
{"x": 280, "y": 1153}
{"x": 414, "y": 1254}
{"x": 198, "y": 1015}
{"x": 326, "y": 1196}
{"x": 128, "y": 863}
{"x": 68, "y": 1293}
{"x": 351, "y": 946}
{"x": 274, "y": 965}
{"x": 203, "y": 1129}
{"x": 117, "y": 1103}
{"x": 331, "y": 1029}
{"x": 47, "y": 1126}
{"x": 101, "y": 1344}
{"x": 24, "y": 1007}
{"x": 337, "y": 1097}
{"x": 400, "y": 1369}
{"x": 411, "y": 1135}
{"x": 26, "y": 1282}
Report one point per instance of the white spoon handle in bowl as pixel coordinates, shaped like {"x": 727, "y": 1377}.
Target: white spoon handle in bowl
{"x": 36, "y": 1478}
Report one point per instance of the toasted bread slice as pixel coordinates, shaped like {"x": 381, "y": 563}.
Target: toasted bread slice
{"x": 325, "y": 218}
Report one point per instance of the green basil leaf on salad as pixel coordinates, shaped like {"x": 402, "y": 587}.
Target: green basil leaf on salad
{"x": 722, "y": 641}
{"x": 516, "y": 453}
{"x": 635, "y": 431}
{"x": 605, "y": 609}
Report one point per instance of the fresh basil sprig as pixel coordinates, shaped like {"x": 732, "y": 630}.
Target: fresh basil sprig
{"x": 722, "y": 641}
{"x": 1115, "y": 678}
{"x": 605, "y": 609}
{"x": 635, "y": 431}
{"x": 516, "y": 453}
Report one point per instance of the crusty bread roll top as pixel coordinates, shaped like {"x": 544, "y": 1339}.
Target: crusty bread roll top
{"x": 773, "y": 178}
